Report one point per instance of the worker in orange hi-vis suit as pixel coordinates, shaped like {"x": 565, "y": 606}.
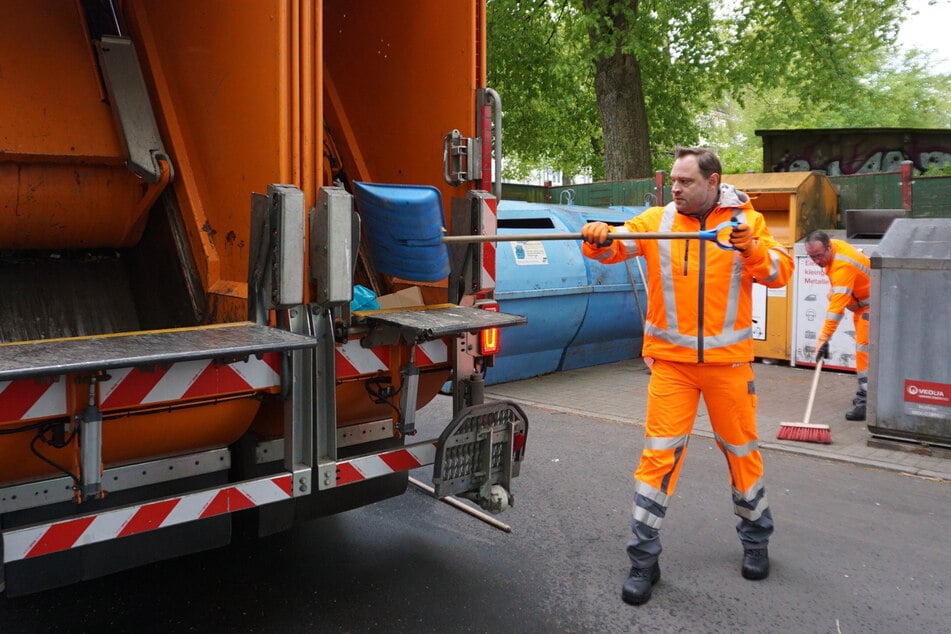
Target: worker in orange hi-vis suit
{"x": 848, "y": 270}
{"x": 697, "y": 340}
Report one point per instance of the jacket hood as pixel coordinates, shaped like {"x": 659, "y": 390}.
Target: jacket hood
{"x": 730, "y": 196}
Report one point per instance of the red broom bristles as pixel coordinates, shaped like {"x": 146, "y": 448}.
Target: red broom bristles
{"x": 805, "y": 432}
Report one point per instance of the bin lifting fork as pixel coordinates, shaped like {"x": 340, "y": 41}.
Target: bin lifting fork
{"x": 709, "y": 234}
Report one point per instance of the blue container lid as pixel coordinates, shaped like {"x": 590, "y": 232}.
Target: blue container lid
{"x": 404, "y": 227}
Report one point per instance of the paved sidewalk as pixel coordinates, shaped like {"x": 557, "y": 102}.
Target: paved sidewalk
{"x": 619, "y": 391}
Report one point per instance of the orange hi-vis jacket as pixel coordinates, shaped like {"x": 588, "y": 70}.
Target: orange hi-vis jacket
{"x": 700, "y": 304}
{"x": 849, "y": 276}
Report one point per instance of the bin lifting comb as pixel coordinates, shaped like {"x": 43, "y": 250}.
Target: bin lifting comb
{"x": 709, "y": 234}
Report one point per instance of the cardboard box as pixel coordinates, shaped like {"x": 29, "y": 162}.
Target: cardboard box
{"x": 405, "y": 298}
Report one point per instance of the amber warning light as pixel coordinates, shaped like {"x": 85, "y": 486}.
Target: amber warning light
{"x": 489, "y": 338}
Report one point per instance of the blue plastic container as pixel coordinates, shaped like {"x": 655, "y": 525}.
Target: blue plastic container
{"x": 580, "y": 313}
{"x": 545, "y": 281}
{"x": 612, "y": 328}
{"x": 403, "y": 225}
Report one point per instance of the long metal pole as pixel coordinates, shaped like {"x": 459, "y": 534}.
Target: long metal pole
{"x": 451, "y": 501}
{"x": 529, "y": 237}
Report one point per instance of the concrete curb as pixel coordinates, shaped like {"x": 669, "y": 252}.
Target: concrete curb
{"x": 618, "y": 388}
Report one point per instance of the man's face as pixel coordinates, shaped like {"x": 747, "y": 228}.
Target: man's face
{"x": 693, "y": 194}
{"x": 819, "y": 254}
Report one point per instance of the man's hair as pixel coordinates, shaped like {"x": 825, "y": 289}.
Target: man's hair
{"x": 818, "y": 236}
{"x": 707, "y": 159}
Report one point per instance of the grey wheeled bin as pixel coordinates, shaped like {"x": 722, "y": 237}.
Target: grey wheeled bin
{"x": 910, "y": 332}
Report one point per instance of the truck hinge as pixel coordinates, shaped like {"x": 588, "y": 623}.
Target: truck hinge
{"x": 462, "y": 158}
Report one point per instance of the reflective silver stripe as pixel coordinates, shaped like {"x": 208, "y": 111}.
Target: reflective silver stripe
{"x": 738, "y": 450}
{"x": 751, "y": 514}
{"x": 671, "y": 336}
{"x": 604, "y": 255}
{"x": 644, "y": 516}
{"x": 834, "y": 316}
{"x": 861, "y": 348}
{"x": 727, "y": 338}
{"x": 667, "y": 273}
{"x": 690, "y": 341}
{"x": 665, "y": 442}
{"x": 654, "y": 495}
{"x": 858, "y": 306}
{"x": 733, "y": 302}
{"x": 750, "y": 494}
{"x": 667, "y": 219}
{"x": 733, "y": 295}
{"x": 844, "y": 258}
{"x": 773, "y": 264}
{"x": 631, "y": 247}
{"x": 845, "y": 290}
{"x": 862, "y": 377}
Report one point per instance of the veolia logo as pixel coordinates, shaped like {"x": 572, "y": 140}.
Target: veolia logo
{"x": 914, "y": 390}
{"x": 928, "y": 392}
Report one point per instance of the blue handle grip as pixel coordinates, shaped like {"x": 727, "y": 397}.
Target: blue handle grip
{"x": 714, "y": 234}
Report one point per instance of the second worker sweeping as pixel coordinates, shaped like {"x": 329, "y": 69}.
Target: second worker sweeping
{"x": 848, "y": 270}
{"x": 697, "y": 340}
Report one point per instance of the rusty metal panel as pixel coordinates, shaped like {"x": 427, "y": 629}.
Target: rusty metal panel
{"x": 931, "y": 197}
{"x": 608, "y": 193}
{"x": 869, "y": 191}
{"x": 525, "y": 193}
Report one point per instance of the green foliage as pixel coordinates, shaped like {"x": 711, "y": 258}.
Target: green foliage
{"x": 538, "y": 63}
{"x": 943, "y": 170}
{"x": 899, "y": 92}
{"x": 677, "y": 53}
{"x": 710, "y": 71}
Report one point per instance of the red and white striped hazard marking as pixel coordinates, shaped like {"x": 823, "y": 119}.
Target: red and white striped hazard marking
{"x": 35, "y": 541}
{"x": 128, "y": 387}
{"x": 44, "y": 539}
{"x": 25, "y": 399}
{"x": 28, "y": 399}
{"x": 352, "y": 359}
{"x": 489, "y": 228}
{"x": 367, "y": 467}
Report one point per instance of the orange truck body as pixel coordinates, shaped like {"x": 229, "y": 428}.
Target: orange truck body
{"x": 134, "y": 375}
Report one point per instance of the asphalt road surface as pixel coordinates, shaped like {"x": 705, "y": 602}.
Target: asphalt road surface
{"x": 855, "y": 550}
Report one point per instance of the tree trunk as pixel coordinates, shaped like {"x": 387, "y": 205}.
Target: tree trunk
{"x": 617, "y": 84}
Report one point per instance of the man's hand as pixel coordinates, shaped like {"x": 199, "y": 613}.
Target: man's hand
{"x": 742, "y": 238}
{"x": 823, "y": 352}
{"x": 596, "y": 233}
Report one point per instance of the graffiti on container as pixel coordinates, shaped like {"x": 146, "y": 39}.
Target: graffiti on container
{"x": 839, "y": 152}
{"x": 880, "y": 161}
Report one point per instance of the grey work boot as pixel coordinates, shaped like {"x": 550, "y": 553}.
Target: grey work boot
{"x": 856, "y": 413}
{"x": 640, "y": 584}
{"x": 755, "y": 563}
{"x": 861, "y": 398}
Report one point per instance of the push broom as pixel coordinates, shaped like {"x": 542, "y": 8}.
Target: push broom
{"x": 805, "y": 431}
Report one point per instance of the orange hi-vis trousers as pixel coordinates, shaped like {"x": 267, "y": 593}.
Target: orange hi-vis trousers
{"x": 673, "y": 397}
{"x": 860, "y": 320}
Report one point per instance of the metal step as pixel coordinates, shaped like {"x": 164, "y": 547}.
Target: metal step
{"x": 88, "y": 354}
{"x": 481, "y": 450}
{"x": 417, "y": 325}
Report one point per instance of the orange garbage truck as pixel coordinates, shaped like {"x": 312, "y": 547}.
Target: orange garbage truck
{"x": 190, "y": 192}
